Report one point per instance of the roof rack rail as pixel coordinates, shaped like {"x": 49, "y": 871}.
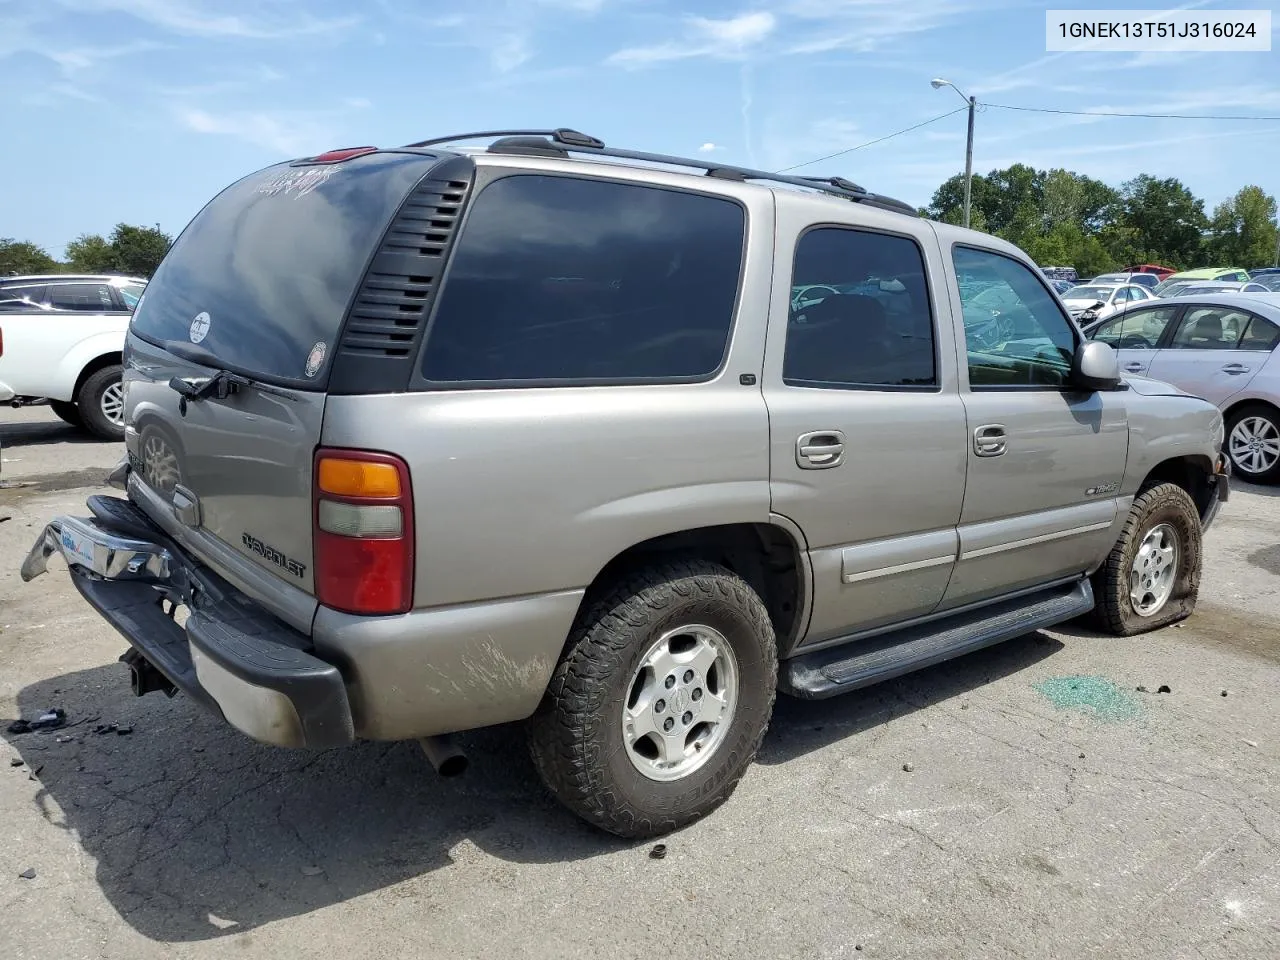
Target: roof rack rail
{"x": 561, "y": 135}
{"x": 564, "y": 141}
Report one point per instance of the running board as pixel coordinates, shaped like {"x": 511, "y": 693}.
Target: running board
{"x": 825, "y": 673}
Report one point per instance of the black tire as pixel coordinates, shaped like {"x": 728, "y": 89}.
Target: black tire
{"x": 67, "y": 412}
{"x": 89, "y": 400}
{"x": 1243, "y": 470}
{"x": 576, "y": 736}
{"x": 1115, "y": 612}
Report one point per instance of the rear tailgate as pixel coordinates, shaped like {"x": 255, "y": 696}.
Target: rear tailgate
{"x": 259, "y": 284}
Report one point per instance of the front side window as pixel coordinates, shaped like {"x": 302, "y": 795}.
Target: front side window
{"x": 1016, "y": 334}
{"x": 82, "y": 297}
{"x": 1136, "y": 329}
{"x": 860, "y": 315}
{"x": 564, "y": 279}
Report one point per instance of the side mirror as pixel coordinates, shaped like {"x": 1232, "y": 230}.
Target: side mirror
{"x": 1095, "y": 366}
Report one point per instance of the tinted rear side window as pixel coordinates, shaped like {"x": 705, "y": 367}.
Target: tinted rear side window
{"x": 84, "y": 297}
{"x": 270, "y": 265}
{"x": 557, "y": 279}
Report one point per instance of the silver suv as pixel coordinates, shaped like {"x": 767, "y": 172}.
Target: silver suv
{"x": 427, "y": 439}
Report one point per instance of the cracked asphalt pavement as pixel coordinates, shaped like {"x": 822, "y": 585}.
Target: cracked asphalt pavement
{"x": 1051, "y": 809}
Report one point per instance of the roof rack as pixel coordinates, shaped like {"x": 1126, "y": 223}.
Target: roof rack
{"x": 563, "y": 141}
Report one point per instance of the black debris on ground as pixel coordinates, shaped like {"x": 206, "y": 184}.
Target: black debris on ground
{"x": 1142, "y": 689}
{"x": 1224, "y": 693}
{"x": 28, "y": 874}
{"x": 658, "y": 852}
{"x": 908, "y": 767}
{"x": 15, "y": 762}
{"x": 1164, "y": 688}
{"x": 51, "y": 719}
{"x": 123, "y": 731}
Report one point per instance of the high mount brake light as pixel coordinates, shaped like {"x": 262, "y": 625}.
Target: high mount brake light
{"x": 363, "y": 529}
{"x": 342, "y": 153}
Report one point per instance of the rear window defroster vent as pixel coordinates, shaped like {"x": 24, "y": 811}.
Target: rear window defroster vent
{"x": 395, "y": 299}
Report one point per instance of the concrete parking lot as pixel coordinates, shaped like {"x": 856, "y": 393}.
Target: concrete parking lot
{"x": 1051, "y": 809}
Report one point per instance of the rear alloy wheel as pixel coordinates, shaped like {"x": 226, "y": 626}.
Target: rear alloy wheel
{"x": 1253, "y": 443}
{"x": 1152, "y": 577}
{"x": 67, "y": 412}
{"x": 101, "y": 403}
{"x": 660, "y": 700}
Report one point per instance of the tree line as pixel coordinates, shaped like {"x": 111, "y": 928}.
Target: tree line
{"x": 1066, "y": 219}
{"x": 130, "y": 250}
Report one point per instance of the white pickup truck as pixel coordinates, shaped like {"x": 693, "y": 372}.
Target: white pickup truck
{"x": 60, "y": 339}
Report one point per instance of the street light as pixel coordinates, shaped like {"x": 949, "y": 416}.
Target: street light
{"x": 938, "y": 83}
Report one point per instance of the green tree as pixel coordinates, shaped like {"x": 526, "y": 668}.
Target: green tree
{"x": 1162, "y": 222}
{"x": 1242, "y": 232}
{"x": 22, "y": 256}
{"x": 90, "y": 253}
{"x": 139, "y": 250}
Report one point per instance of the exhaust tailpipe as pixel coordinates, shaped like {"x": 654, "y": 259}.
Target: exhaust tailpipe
{"x": 445, "y": 755}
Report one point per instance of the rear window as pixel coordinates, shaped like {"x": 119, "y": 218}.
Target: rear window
{"x": 560, "y": 279}
{"x": 265, "y": 272}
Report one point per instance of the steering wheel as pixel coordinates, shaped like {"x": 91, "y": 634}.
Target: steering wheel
{"x": 822, "y": 289}
{"x": 1134, "y": 341}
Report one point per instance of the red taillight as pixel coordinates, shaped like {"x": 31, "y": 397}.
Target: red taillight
{"x": 344, "y": 153}
{"x": 362, "y": 518}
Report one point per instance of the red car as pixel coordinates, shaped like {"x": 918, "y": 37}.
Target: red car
{"x": 1155, "y": 268}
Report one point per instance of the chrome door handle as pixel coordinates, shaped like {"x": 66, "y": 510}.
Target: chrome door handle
{"x": 1135, "y": 366}
{"x": 820, "y": 449}
{"x": 1235, "y": 368}
{"x": 989, "y": 440}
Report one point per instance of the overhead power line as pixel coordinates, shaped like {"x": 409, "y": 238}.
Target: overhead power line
{"x": 841, "y": 153}
{"x": 1117, "y": 113}
{"x": 1006, "y": 106}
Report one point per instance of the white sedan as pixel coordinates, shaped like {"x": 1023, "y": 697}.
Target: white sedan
{"x": 1093, "y": 301}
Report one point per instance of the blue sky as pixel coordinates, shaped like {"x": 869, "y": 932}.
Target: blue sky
{"x": 140, "y": 110}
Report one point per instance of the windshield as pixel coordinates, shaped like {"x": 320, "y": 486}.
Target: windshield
{"x": 1091, "y": 293}
{"x": 131, "y": 293}
{"x": 263, "y": 275}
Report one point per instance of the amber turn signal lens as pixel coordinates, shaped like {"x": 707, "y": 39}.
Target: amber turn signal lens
{"x": 356, "y": 478}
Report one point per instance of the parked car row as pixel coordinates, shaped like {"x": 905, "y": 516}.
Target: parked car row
{"x": 1218, "y": 345}
{"x": 61, "y": 339}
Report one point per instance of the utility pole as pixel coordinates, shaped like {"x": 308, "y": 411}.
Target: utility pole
{"x": 968, "y": 164}
{"x": 938, "y": 83}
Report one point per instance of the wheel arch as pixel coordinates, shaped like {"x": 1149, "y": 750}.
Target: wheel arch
{"x": 94, "y": 365}
{"x": 1192, "y": 472}
{"x": 772, "y": 557}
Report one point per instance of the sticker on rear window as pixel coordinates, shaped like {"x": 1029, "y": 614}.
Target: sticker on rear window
{"x": 299, "y": 182}
{"x": 199, "y": 327}
{"x": 315, "y": 359}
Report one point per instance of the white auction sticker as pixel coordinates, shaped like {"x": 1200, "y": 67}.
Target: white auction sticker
{"x": 1137, "y": 31}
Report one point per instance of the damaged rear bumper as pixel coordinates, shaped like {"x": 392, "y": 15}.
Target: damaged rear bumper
{"x": 231, "y": 656}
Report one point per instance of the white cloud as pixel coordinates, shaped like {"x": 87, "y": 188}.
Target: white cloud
{"x": 287, "y": 133}
{"x": 75, "y": 59}
{"x": 270, "y": 21}
{"x": 510, "y": 51}
{"x": 708, "y": 147}
{"x": 865, "y": 25}
{"x": 729, "y": 39}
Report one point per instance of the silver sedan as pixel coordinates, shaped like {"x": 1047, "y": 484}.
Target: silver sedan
{"x": 1219, "y": 346}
